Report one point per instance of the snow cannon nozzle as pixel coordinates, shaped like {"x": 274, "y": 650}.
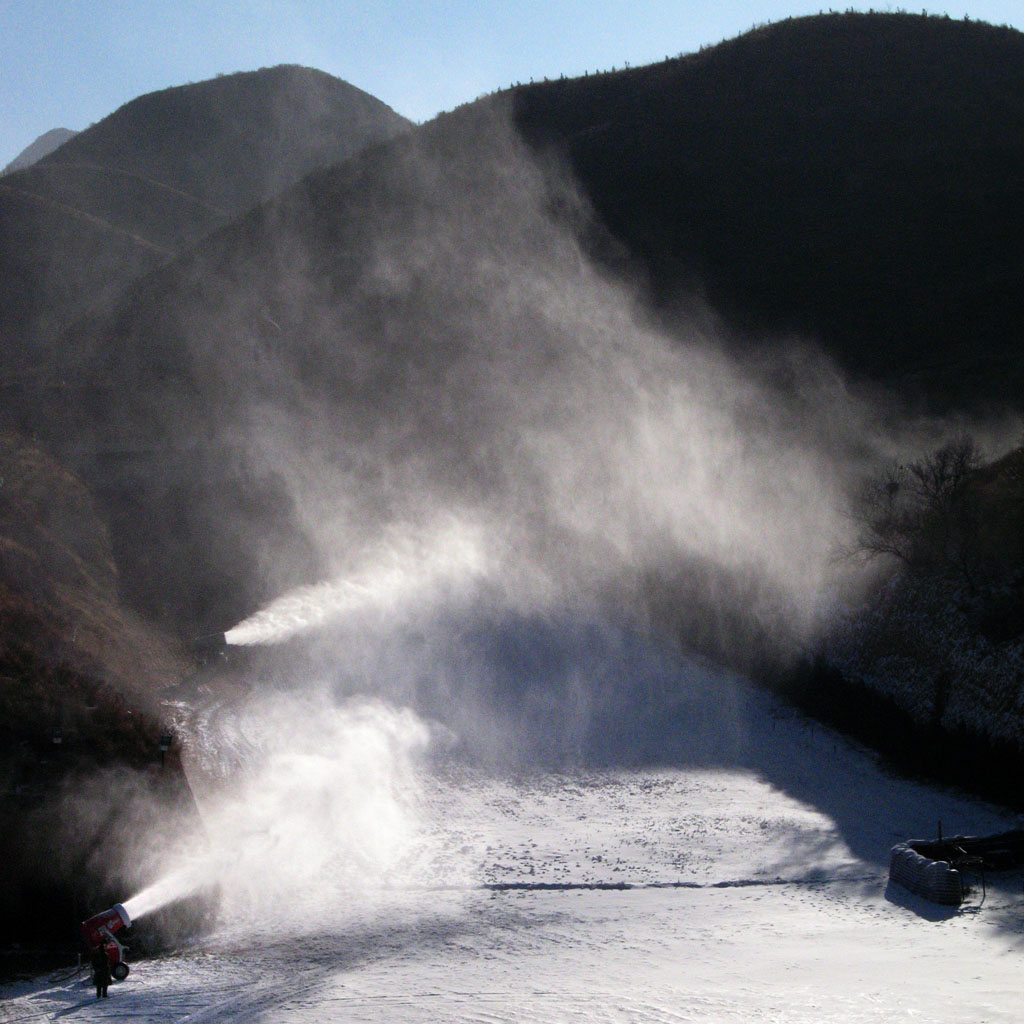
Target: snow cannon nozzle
{"x": 98, "y": 930}
{"x": 209, "y": 647}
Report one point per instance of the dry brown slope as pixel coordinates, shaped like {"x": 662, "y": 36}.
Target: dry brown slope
{"x": 80, "y": 760}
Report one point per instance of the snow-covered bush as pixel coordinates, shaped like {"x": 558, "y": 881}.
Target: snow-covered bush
{"x": 918, "y": 642}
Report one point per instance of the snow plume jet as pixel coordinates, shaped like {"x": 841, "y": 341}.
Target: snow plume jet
{"x": 410, "y": 568}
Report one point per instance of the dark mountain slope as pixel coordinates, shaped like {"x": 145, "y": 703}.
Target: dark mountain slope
{"x": 80, "y": 721}
{"x": 43, "y": 146}
{"x": 235, "y": 139}
{"x": 853, "y": 178}
{"x": 153, "y": 177}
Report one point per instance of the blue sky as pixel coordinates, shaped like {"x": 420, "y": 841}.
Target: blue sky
{"x": 68, "y": 63}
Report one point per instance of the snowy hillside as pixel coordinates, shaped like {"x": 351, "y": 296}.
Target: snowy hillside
{"x": 750, "y": 890}
{"x": 921, "y": 648}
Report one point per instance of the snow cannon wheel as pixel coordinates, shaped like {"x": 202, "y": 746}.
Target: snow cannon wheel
{"x": 120, "y": 971}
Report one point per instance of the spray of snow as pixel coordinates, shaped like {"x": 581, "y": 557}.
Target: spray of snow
{"x": 408, "y": 569}
{"x": 164, "y": 891}
{"x": 325, "y": 810}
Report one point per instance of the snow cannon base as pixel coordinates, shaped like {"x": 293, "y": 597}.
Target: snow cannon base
{"x": 98, "y": 933}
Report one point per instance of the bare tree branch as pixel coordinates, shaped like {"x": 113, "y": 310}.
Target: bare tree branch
{"x": 925, "y": 513}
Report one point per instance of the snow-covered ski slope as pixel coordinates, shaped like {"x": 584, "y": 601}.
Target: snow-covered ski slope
{"x": 753, "y": 891}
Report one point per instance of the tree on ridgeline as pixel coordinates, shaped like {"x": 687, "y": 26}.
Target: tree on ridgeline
{"x": 926, "y": 514}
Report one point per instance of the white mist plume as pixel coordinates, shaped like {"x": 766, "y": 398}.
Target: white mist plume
{"x": 167, "y": 889}
{"x": 412, "y": 568}
{"x": 328, "y": 810}
{"x": 324, "y": 811}
{"x": 479, "y": 428}
{"x": 457, "y": 350}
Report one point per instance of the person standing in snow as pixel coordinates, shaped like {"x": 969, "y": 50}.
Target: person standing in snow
{"x": 100, "y": 971}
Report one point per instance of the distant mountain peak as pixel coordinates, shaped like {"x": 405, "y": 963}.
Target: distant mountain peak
{"x": 43, "y": 146}
{"x": 240, "y": 137}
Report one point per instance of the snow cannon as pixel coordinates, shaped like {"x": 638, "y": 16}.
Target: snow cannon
{"x": 98, "y": 933}
{"x": 212, "y": 647}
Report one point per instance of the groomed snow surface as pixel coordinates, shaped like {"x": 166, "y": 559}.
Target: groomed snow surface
{"x": 751, "y": 889}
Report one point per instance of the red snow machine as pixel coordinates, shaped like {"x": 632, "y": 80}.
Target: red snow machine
{"x": 98, "y": 933}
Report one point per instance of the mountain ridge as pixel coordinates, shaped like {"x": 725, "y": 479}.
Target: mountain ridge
{"x": 39, "y": 148}
{"x": 155, "y": 176}
{"x": 845, "y": 177}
